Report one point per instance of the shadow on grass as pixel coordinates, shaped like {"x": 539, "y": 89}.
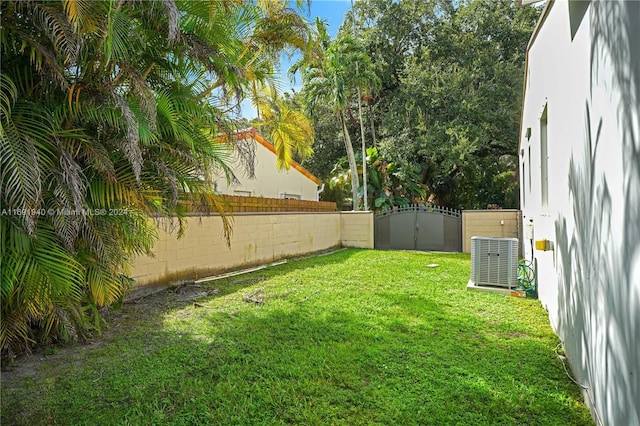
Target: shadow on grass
{"x": 146, "y": 308}
{"x": 376, "y": 358}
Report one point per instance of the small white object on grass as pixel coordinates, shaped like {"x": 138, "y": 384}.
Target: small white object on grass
{"x": 432, "y": 265}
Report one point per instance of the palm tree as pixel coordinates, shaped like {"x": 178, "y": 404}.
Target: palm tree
{"x": 107, "y": 117}
{"x": 329, "y": 76}
{"x": 290, "y": 131}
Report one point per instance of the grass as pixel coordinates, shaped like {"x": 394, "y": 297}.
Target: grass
{"x": 356, "y": 337}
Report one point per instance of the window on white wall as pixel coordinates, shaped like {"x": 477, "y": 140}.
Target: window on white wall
{"x": 529, "y": 162}
{"x": 526, "y": 173}
{"x": 524, "y": 188}
{"x": 544, "y": 160}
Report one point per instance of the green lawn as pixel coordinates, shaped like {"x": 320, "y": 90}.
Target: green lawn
{"x": 356, "y": 337}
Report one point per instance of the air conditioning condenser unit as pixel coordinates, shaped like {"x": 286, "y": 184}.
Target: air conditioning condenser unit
{"x": 494, "y": 261}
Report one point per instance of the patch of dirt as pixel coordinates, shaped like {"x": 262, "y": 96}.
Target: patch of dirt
{"x": 133, "y": 315}
{"x": 31, "y": 366}
{"x": 139, "y": 314}
{"x": 513, "y": 335}
{"x": 193, "y": 292}
{"x": 259, "y": 296}
{"x": 248, "y": 281}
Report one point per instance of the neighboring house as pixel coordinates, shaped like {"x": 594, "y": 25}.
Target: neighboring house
{"x": 580, "y": 191}
{"x": 296, "y": 183}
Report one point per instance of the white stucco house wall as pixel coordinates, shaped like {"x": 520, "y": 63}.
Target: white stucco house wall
{"x": 269, "y": 182}
{"x": 580, "y": 191}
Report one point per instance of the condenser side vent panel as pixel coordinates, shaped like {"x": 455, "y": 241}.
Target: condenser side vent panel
{"x": 494, "y": 261}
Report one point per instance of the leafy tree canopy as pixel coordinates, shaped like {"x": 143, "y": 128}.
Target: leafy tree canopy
{"x": 451, "y": 91}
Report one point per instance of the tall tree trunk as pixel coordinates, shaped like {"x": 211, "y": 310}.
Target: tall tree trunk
{"x": 355, "y": 181}
{"x": 373, "y": 129}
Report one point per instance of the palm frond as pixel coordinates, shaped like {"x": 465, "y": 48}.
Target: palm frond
{"x": 72, "y": 179}
{"x": 21, "y": 186}
{"x": 173, "y": 17}
{"x": 130, "y": 146}
{"x": 36, "y": 273}
{"x": 121, "y": 35}
{"x": 112, "y": 105}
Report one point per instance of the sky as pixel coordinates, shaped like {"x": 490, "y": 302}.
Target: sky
{"x": 333, "y": 12}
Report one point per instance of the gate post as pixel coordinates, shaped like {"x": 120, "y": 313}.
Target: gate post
{"x": 416, "y": 226}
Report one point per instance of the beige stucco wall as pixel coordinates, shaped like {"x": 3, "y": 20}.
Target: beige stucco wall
{"x": 269, "y": 182}
{"x": 356, "y": 229}
{"x": 489, "y": 223}
{"x": 257, "y": 238}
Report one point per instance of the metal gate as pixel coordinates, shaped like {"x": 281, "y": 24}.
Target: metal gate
{"x": 419, "y": 227}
